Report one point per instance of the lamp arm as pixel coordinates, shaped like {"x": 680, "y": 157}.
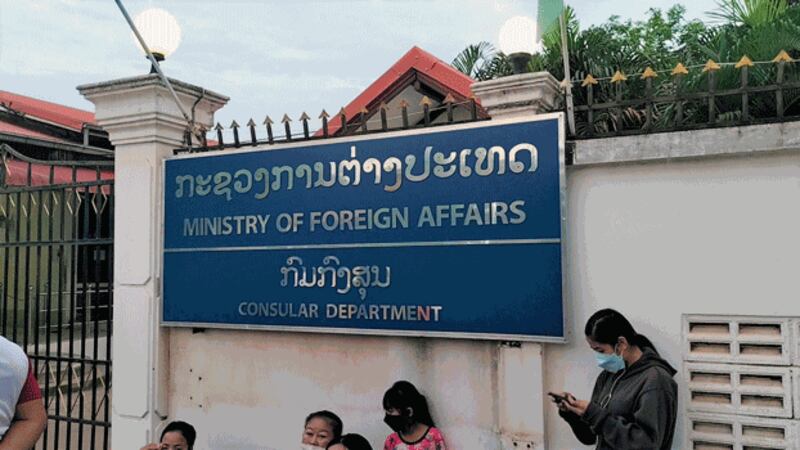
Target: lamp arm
{"x": 154, "y": 62}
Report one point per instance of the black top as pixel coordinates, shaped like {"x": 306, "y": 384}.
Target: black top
{"x": 632, "y": 409}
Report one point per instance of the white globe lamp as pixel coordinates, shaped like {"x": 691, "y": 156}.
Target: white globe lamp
{"x": 518, "y": 41}
{"x": 160, "y": 32}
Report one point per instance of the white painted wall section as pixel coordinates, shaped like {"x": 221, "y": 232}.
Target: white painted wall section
{"x": 656, "y": 240}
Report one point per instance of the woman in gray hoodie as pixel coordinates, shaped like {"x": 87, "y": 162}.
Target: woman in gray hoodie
{"x": 634, "y": 401}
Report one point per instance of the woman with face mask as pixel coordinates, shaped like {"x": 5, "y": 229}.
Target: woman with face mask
{"x": 634, "y": 401}
{"x": 408, "y": 416}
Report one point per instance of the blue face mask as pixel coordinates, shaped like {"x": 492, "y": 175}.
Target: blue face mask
{"x": 612, "y": 363}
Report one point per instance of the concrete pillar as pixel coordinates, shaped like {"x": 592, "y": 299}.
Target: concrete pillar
{"x": 145, "y": 124}
{"x": 518, "y": 95}
{"x": 520, "y": 370}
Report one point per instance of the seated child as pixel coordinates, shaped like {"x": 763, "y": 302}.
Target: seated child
{"x": 351, "y": 441}
{"x": 176, "y": 436}
{"x": 321, "y": 429}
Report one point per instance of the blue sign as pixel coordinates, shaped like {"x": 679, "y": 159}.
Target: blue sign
{"x": 453, "y": 232}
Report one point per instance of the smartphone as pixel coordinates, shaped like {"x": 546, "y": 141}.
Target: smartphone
{"x": 558, "y": 398}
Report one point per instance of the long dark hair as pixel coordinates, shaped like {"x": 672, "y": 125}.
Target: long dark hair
{"x": 333, "y": 420}
{"x": 607, "y": 326}
{"x": 185, "y": 429}
{"x": 404, "y": 395}
{"x": 355, "y": 442}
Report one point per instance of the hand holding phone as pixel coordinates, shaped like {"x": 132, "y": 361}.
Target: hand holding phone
{"x": 558, "y": 398}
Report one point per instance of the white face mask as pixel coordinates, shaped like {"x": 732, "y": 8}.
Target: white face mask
{"x": 310, "y": 447}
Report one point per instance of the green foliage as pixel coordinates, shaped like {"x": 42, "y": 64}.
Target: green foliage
{"x": 751, "y": 13}
{"x": 482, "y": 62}
{"x": 474, "y": 59}
{"x": 756, "y": 28}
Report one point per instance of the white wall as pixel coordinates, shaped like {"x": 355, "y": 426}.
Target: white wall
{"x": 252, "y": 390}
{"x": 661, "y": 239}
{"x": 654, "y": 240}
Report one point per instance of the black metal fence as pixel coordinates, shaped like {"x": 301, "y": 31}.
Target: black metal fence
{"x": 56, "y": 235}
{"x": 382, "y": 119}
{"x": 685, "y": 98}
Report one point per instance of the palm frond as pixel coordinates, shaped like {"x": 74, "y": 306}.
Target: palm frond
{"x": 474, "y": 59}
{"x": 750, "y": 13}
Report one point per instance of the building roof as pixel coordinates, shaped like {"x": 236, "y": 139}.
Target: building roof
{"x": 447, "y": 79}
{"x": 53, "y": 113}
{"x": 10, "y": 128}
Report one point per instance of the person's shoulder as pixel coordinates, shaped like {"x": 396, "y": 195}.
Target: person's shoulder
{"x": 659, "y": 376}
{"x": 8, "y": 347}
{"x": 658, "y": 371}
{"x": 13, "y": 355}
{"x": 392, "y": 440}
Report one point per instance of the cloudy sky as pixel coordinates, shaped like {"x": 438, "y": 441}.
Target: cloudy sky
{"x": 269, "y": 56}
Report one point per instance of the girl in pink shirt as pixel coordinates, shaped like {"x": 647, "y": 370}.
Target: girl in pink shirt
{"x": 408, "y": 416}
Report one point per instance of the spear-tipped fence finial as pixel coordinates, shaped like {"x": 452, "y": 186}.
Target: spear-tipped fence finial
{"x": 448, "y": 102}
{"x": 235, "y": 128}
{"x": 287, "y": 126}
{"x": 324, "y": 117}
{"x": 619, "y": 77}
{"x": 268, "y": 122}
{"x": 343, "y": 120}
{"x": 304, "y": 118}
{"x": 252, "y": 125}
{"x": 649, "y": 73}
{"x": 384, "y": 120}
{"x": 203, "y": 137}
{"x": 187, "y": 138}
{"x": 589, "y": 81}
{"x": 404, "y": 111}
{"x": 426, "y": 109}
{"x": 362, "y": 117}
{"x": 782, "y": 57}
{"x": 711, "y": 66}
{"x": 744, "y": 62}
{"x": 680, "y": 69}
{"x": 473, "y": 107}
{"x": 219, "y": 134}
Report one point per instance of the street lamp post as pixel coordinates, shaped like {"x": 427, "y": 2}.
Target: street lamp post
{"x": 524, "y": 93}
{"x": 164, "y": 35}
{"x": 518, "y": 41}
{"x": 160, "y": 31}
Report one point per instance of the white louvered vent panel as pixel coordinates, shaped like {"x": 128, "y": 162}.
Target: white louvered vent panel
{"x": 738, "y": 339}
{"x": 796, "y": 390}
{"x": 739, "y": 389}
{"x": 722, "y": 432}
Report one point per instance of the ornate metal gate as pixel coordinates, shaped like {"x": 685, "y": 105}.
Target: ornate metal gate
{"x": 56, "y": 235}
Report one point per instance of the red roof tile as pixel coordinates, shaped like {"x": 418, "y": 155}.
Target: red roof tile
{"x": 64, "y": 116}
{"x": 416, "y": 59}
